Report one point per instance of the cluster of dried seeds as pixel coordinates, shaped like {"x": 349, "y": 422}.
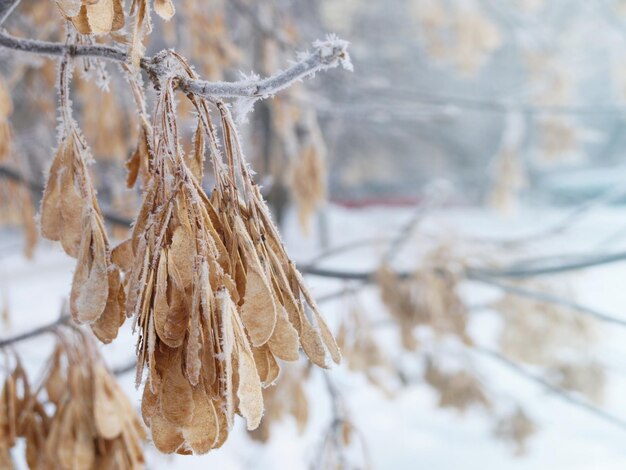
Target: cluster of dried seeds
{"x": 429, "y": 298}
{"x": 207, "y": 40}
{"x": 458, "y": 389}
{"x": 85, "y": 420}
{"x": 363, "y": 354}
{"x": 19, "y": 418}
{"x": 525, "y": 318}
{"x": 508, "y": 179}
{"x": 308, "y": 176}
{"x": 452, "y": 33}
{"x": 142, "y": 24}
{"x": 212, "y": 291}
{"x": 70, "y": 214}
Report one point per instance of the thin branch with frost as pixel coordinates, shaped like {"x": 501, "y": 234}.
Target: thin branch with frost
{"x": 436, "y": 195}
{"x": 47, "y": 48}
{"x": 568, "y": 397}
{"x": 473, "y": 275}
{"x": 49, "y": 328}
{"x": 549, "y": 299}
{"x": 326, "y": 55}
{"x": 6, "y": 8}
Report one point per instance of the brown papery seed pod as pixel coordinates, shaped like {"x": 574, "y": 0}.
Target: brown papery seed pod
{"x": 212, "y": 291}
{"x": 70, "y": 214}
{"x": 94, "y": 424}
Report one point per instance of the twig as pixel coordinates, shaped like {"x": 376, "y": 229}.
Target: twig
{"x": 326, "y": 55}
{"x": 475, "y": 275}
{"x": 494, "y": 106}
{"x": 125, "y": 369}
{"x": 551, "y": 299}
{"x": 519, "y": 270}
{"x": 48, "y": 48}
{"x": 6, "y": 8}
{"x": 49, "y": 328}
{"x": 343, "y": 248}
{"x": 573, "y": 400}
{"x": 436, "y": 195}
{"x": 367, "y": 276}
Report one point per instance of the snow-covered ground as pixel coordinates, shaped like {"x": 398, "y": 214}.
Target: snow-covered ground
{"x": 409, "y": 431}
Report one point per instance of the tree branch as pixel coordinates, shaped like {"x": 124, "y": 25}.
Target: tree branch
{"x": 550, "y": 299}
{"x": 568, "y": 397}
{"x": 6, "y": 8}
{"x": 543, "y": 266}
{"x": 50, "y": 327}
{"x": 48, "y": 48}
{"x": 473, "y": 275}
{"x": 326, "y": 55}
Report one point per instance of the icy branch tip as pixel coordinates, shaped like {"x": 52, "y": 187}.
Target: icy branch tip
{"x": 333, "y": 51}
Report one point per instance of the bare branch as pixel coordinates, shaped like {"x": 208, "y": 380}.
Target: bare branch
{"x": 327, "y": 54}
{"x": 550, "y": 299}
{"x": 538, "y": 267}
{"x": 545, "y": 266}
{"x": 49, "y": 328}
{"x": 48, "y": 48}
{"x": 568, "y": 397}
{"x": 6, "y": 8}
{"x": 474, "y": 275}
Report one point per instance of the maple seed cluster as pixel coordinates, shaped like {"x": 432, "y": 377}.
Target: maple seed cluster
{"x": 213, "y": 293}
{"x": 92, "y": 424}
{"x": 215, "y": 298}
{"x": 70, "y": 214}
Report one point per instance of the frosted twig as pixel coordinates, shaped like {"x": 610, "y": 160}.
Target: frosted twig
{"x": 539, "y": 267}
{"x": 550, "y": 299}
{"x": 435, "y": 197}
{"x": 326, "y": 55}
{"x": 49, "y": 328}
{"x": 35, "y": 46}
{"x": 545, "y": 266}
{"x": 571, "y": 399}
{"x": 6, "y": 8}
{"x": 474, "y": 275}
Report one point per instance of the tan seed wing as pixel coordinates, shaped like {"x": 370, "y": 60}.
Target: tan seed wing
{"x": 107, "y": 414}
{"x": 284, "y": 342}
{"x": 164, "y": 8}
{"x": 203, "y": 431}
{"x": 176, "y": 396}
{"x": 249, "y": 390}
